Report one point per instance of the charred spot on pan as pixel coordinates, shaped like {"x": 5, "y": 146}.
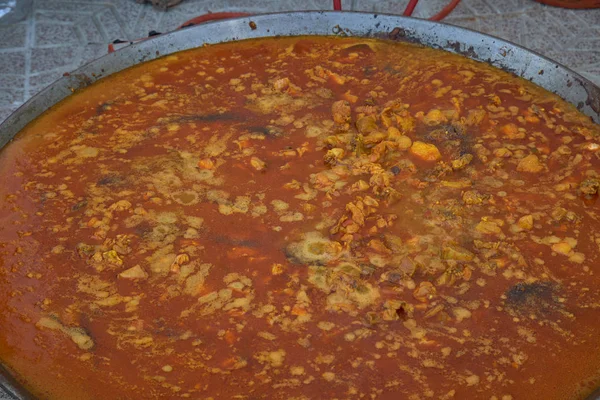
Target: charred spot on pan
{"x": 444, "y": 133}
{"x": 236, "y": 242}
{"x": 269, "y": 130}
{"x": 79, "y": 205}
{"x": 217, "y": 117}
{"x": 393, "y": 70}
{"x": 161, "y": 328}
{"x": 452, "y": 138}
{"x": 537, "y": 298}
{"x": 438, "y": 172}
{"x": 143, "y": 228}
{"x": 369, "y": 70}
{"x": 398, "y": 34}
{"x": 291, "y": 257}
{"x": 102, "y": 108}
{"x": 403, "y": 312}
{"x": 465, "y": 148}
{"x": 110, "y": 180}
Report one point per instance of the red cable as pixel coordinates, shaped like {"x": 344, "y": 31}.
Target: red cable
{"x": 337, "y": 5}
{"x": 212, "y": 17}
{"x": 445, "y": 11}
{"x": 410, "y": 7}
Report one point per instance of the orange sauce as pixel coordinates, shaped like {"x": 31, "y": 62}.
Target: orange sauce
{"x": 303, "y": 218}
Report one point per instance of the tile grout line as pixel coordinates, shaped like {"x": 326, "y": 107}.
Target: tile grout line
{"x": 29, "y": 43}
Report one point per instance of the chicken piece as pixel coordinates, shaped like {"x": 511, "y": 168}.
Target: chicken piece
{"x": 475, "y": 116}
{"x": 526, "y": 222}
{"x": 281, "y": 84}
{"x": 206, "y": 163}
{"x": 511, "y": 131}
{"x": 471, "y": 197}
{"x": 357, "y": 212}
{"x": 378, "y": 246}
{"x": 462, "y": 161}
{"x": 488, "y": 227}
{"x": 563, "y": 247}
{"x": 136, "y": 272}
{"x": 406, "y": 123}
{"x": 366, "y": 124}
{"x": 334, "y": 155}
{"x": 341, "y": 111}
{"x": 424, "y": 292}
{"x": 589, "y": 186}
{"x": 393, "y": 133}
{"x": 425, "y": 151}
{"x": 531, "y": 163}
{"x": 454, "y": 252}
{"x": 258, "y": 164}
{"x": 374, "y": 138}
{"x": 404, "y": 142}
{"x": 434, "y": 117}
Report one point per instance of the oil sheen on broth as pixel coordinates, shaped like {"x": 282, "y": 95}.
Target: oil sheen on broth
{"x": 303, "y": 218}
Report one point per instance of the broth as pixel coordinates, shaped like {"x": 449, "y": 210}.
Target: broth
{"x": 300, "y": 218}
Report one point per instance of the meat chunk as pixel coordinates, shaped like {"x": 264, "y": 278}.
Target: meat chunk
{"x": 526, "y": 222}
{"x": 341, "y": 111}
{"x": 589, "y": 186}
{"x": 531, "y": 163}
{"x": 425, "y": 151}
{"x": 366, "y": 124}
{"x": 434, "y": 117}
{"x": 454, "y": 252}
{"x": 511, "y": 131}
{"x": 136, "y": 272}
{"x": 462, "y": 161}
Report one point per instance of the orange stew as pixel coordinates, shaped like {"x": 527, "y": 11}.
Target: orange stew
{"x": 303, "y": 218}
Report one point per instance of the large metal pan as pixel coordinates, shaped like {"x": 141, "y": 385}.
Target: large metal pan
{"x": 500, "y": 53}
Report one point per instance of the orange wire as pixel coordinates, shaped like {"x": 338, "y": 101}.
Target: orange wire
{"x": 410, "y": 7}
{"x": 212, "y": 17}
{"x": 445, "y": 11}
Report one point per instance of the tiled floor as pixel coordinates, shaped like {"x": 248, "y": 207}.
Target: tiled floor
{"x": 61, "y": 35}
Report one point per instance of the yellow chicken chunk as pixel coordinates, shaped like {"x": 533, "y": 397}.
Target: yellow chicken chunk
{"x": 425, "y": 151}
{"x": 531, "y": 163}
